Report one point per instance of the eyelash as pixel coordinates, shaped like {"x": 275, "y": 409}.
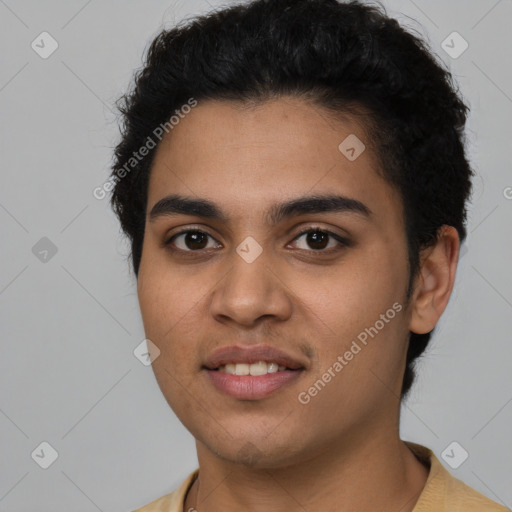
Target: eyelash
{"x": 342, "y": 241}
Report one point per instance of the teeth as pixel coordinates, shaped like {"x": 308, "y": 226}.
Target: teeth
{"x": 230, "y": 368}
{"x": 259, "y": 368}
{"x": 242, "y": 369}
{"x": 255, "y": 369}
{"x": 273, "y": 367}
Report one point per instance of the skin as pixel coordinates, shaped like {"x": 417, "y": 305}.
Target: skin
{"x": 278, "y": 454}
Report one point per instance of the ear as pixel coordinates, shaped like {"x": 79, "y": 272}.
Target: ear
{"x": 434, "y": 283}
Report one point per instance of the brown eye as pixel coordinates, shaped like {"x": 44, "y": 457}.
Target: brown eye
{"x": 317, "y": 239}
{"x": 191, "y": 240}
{"x": 196, "y": 240}
{"x": 320, "y": 240}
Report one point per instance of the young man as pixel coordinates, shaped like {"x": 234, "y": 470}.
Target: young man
{"x": 293, "y": 181}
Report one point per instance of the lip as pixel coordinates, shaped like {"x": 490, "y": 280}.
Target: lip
{"x": 250, "y": 387}
{"x": 249, "y": 355}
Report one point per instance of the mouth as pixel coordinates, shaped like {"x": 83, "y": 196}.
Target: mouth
{"x": 252, "y": 373}
{"x": 253, "y": 369}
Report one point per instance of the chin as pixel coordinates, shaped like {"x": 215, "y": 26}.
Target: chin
{"x": 254, "y": 453}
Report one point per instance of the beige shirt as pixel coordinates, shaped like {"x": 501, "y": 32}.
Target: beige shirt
{"x": 442, "y": 492}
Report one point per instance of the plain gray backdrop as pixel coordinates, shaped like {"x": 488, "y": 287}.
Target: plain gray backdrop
{"x": 69, "y": 313}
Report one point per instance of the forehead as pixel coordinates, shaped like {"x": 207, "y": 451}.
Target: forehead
{"x": 246, "y": 158}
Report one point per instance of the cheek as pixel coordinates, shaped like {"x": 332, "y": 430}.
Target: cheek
{"x": 354, "y": 295}
{"x": 360, "y": 313}
{"x": 164, "y": 296}
{"x": 168, "y": 303}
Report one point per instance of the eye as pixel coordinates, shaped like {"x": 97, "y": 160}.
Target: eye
{"x": 311, "y": 239}
{"x": 321, "y": 240}
{"x": 192, "y": 240}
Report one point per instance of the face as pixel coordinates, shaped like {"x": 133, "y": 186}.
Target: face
{"x": 274, "y": 248}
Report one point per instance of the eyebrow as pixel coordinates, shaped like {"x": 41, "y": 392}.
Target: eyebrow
{"x": 181, "y": 205}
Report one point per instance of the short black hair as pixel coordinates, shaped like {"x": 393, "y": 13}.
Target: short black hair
{"x": 348, "y": 57}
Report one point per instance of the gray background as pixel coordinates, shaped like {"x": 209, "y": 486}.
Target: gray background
{"x": 70, "y": 324}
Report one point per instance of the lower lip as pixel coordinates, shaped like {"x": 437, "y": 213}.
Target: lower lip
{"x": 248, "y": 387}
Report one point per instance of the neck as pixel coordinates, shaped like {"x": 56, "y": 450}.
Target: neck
{"x": 350, "y": 477}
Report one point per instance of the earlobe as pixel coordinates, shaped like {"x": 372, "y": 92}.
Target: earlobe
{"x": 435, "y": 280}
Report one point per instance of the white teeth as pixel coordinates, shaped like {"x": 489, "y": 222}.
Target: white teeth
{"x": 230, "y": 368}
{"x": 254, "y": 369}
{"x": 258, "y": 368}
{"x": 272, "y": 367}
{"x": 241, "y": 369}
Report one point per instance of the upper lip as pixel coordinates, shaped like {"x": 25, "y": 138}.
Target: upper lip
{"x": 248, "y": 355}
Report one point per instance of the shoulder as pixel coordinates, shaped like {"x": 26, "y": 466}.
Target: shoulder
{"x": 445, "y": 493}
{"x": 469, "y": 500}
{"x": 172, "y": 502}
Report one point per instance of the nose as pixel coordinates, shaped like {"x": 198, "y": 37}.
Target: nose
{"x": 251, "y": 292}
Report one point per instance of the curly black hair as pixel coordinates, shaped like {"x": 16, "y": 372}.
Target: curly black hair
{"x": 348, "y": 57}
